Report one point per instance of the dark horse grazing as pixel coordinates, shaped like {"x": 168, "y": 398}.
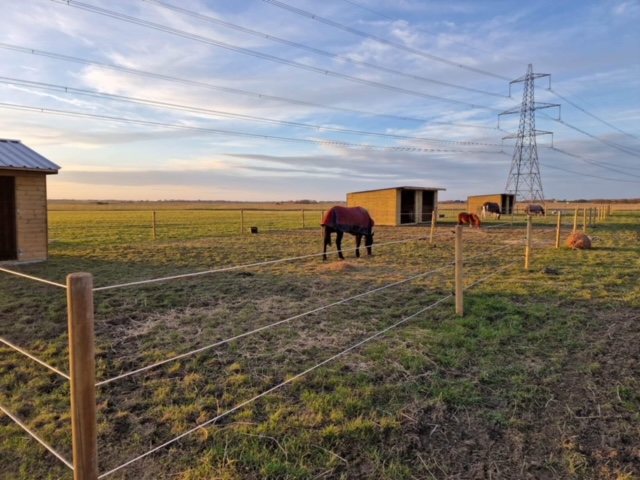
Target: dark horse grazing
{"x": 470, "y": 218}
{"x": 353, "y": 220}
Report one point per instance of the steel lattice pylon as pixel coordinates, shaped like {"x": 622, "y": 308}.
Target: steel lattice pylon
{"x": 524, "y": 177}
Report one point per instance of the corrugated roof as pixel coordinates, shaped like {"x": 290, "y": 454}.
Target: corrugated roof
{"x": 16, "y": 155}
{"x": 423, "y": 189}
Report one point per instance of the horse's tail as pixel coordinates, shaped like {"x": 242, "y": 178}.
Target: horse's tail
{"x": 326, "y": 236}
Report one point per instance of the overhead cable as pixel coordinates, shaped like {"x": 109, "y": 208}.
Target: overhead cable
{"x": 591, "y": 114}
{"x": 236, "y": 91}
{"x": 413, "y": 27}
{"x": 246, "y": 51}
{"x": 360, "y": 33}
{"x": 231, "y": 133}
{"x": 219, "y": 113}
{"x": 316, "y": 50}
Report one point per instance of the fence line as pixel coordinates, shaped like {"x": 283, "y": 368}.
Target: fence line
{"x": 250, "y": 265}
{"x": 280, "y": 385}
{"x": 251, "y": 332}
{"x": 36, "y": 437}
{"x": 41, "y": 280}
{"x": 27, "y": 354}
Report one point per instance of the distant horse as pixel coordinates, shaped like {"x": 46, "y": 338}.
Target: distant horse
{"x": 470, "y": 218}
{"x": 534, "y": 210}
{"x": 353, "y": 220}
{"x": 490, "y": 208}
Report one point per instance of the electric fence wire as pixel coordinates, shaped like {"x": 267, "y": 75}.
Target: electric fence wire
{"x": 34, "y": 358}
{"x": 295, "y": 377}
{"x": 36, "y": 437}
{"x": 30, "y": 277}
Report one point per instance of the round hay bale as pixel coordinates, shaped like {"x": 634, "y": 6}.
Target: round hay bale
{"x": 579, "y": 240}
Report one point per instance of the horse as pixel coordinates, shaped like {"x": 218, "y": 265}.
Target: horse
{"x": 490, "y": 208}
{"x": 470, "y": 218}
{"x": 534, "y": 210}
{"x": 341, "y": 220}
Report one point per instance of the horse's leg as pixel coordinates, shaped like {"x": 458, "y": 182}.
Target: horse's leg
{"x": 368, "y": 242}
{"x": 358, "y": 240}
{"x": 339, "y": 235}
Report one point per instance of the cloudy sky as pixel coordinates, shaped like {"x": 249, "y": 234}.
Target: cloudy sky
{"x": 300, "y": 99}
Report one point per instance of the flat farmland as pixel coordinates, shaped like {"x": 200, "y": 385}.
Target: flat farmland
{"x": 539, "y": 379}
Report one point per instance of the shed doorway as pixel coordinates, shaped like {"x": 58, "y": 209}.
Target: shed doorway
{"x": 8, "y": 232}
{"x": 407, "y": 206}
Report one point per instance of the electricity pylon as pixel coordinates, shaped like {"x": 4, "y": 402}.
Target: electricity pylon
{"x": 524, "y": 177}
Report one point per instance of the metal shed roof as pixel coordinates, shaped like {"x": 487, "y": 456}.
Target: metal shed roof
{"x": 424, "y": 189}
{"x": 17, "y": 156}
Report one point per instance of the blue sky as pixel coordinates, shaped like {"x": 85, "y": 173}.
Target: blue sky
{"x": 203, "y": 103}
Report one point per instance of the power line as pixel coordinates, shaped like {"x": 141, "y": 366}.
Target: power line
{"x": 601, "y": 140}
{"x": 360, "y": 33}
{"x": 230, "y": 133}
{"x": 431, "y": 33}
{"x": 588, "y": 175}
{"x": 174, "y": 106}
{"x": 236, "y": 91}
{"x": 592, "y": 115}
{"x": 593, "y": 162}
{"x": 315, "y": 50}
{"x": 235, "y": 48}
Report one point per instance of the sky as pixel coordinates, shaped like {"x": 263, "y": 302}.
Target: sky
{"x": 268, "y": 100}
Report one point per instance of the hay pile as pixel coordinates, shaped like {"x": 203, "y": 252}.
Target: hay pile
{"x": 579, "y": 240}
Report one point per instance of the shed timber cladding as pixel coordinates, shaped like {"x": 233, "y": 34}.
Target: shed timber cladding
{"x": 397, "y": 205}
{"x": 505, "y": 200}
{"x": 23, "y": 202}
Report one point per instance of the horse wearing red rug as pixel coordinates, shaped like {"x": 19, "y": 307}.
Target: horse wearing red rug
{"x": 341, "y": 220}
{"x": 470, "y": 218}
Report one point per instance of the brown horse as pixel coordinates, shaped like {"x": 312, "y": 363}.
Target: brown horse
{"x": 353, "y": 220}
{"x": 470, "y": 218}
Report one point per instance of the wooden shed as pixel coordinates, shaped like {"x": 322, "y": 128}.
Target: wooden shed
{"x": 398, "y": 205}
{"x": 505, "y": 200}
{"x": 23, "y": 202}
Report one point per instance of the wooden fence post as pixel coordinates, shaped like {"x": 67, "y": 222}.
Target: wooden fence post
{"x": 527, "y": 251}
{"x": 458, "y": 272}
{"x": 303, "y": 218}
{"x": 558, "y": 229}
{"x": 82, "y": 367}
{"x": 241, "y": 221}
{"x": 575, "y": 221}
{"x": 584, "y": 220}
{"x": 153, "y": 220}
{"x": 433, "y": 225}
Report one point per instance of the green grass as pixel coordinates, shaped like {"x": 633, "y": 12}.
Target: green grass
{"x": 536, "y": 364}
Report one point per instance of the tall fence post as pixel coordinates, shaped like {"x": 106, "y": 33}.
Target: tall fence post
{"x": 153, "y": 222}
{"x": 584, "y": 220}
{"x": 575, "y": 221}
{"x": 241, "y": 221}
{"x": 558, "y": 229}
{"x": 433, "y": 225}
{"x": 527, "y": 251}
{"x": 303, "y": 218}
{"x": 459, "y": 273}
{"x": 82, "y": 367}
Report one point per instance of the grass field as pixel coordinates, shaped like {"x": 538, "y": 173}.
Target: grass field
{"x": 540, "y": 379}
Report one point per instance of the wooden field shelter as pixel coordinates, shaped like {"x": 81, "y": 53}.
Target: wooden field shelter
{"x": 505, "y": 200}
{"x": 23, "y": 203}
{"x": 398, "y": 205}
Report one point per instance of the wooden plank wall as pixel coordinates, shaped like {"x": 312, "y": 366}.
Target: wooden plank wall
{"x": 31, "y": 204}
{"x": 383, "y": 205}
{"x": 474, "y": 204}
